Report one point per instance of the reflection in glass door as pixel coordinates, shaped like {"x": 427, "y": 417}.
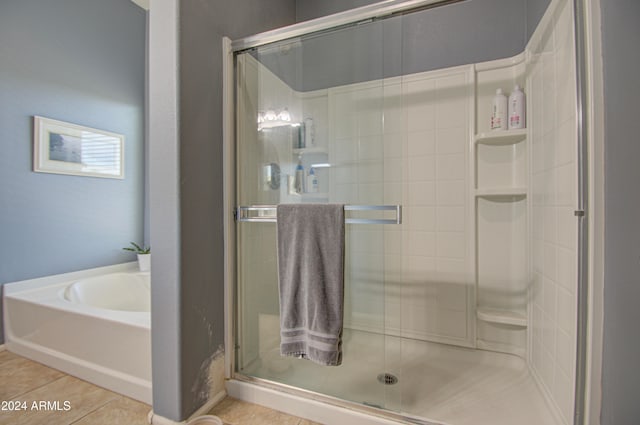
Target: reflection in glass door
{"x": 305, "y": 136}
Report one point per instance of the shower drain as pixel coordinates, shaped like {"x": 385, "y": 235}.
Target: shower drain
{"x": 387, "y": 379}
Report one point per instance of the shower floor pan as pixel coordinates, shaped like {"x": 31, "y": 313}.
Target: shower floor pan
{"x": 437, "y": 382}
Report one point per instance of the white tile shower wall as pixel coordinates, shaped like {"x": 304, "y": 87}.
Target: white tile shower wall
{"x": 357, "y": 177}
{"x": 405, "y": 141}
{"x": 435, "y": 282}
{"x": 554, "y": 228}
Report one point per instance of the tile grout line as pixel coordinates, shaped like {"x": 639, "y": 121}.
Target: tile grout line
{"x": 96, "y": 409}
{"x": 13, "y": 397}
{"x": 65, "y": 376}
{"x": 115, "y": 397}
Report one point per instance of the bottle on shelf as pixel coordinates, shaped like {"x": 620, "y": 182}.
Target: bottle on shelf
{"x": 299, "y": 177}
{"x": 312, "y": 182}
{"x": 499, "y": 111}
{"x": 300, "y": 141}
{"x": 516, "y": 108}
{"x": 309, "y": 133}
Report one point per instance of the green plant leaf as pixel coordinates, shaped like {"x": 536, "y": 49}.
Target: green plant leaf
{"x": 138, "y": 249}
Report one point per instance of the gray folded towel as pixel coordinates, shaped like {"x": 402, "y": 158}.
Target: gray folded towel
{"x": 311, "y": 281}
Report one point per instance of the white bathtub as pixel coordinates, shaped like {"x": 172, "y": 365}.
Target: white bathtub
{"x": 93, "y": 324}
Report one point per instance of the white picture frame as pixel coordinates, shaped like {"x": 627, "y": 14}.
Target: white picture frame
{"x": 63, "y": 148}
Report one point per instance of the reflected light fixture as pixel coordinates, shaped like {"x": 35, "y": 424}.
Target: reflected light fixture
{"x": 271, "y": 119}
{"x": 284, "y": 115}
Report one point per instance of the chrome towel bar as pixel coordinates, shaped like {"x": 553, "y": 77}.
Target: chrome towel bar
{"x": 267, "y": 213}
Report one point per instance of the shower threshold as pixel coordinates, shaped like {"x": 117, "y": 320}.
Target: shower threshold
{"x": 437, "y": 383}
{"x": 314, "y": 406}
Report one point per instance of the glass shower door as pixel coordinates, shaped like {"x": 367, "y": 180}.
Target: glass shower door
{"x": 314, "y": 119}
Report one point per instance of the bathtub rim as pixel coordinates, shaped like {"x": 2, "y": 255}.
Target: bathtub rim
{"x": 47, "y": 290}
{"x": 27, "y": 285}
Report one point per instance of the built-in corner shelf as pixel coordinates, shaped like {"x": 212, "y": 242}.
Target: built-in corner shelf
{"x": 504, "y": 317}
{"x": 501, "y": 137}
{"x": 312, "y": 195}
{"x": 309, "y": 150}
{"x": 502, "y": 192}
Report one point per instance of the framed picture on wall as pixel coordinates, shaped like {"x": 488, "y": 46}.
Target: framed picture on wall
{"x": 64, "y": 148}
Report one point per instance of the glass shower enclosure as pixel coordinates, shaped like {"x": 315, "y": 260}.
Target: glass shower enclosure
{"x": 292, "y": 117}
{"x": 461, "y": 242}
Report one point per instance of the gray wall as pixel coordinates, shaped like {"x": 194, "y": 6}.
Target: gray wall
{"x": 204, "y": 23}
{"x": 62, "y": 59}
{"x": 462, "y": 33}
{"x": 621, "y": 57}
{"x": 164, "y": 209}
{"x": 189, "y": 310}
{"x": 534, "y": 12}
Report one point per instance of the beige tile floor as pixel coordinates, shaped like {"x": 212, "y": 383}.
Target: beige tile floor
{"x": 26, "y": 382}
{"x": 237, "y": 412}
{"x": 23, "y": 382}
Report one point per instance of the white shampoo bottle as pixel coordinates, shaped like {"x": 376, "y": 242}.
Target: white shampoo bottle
{"x": 499, "y": 111}
{"x": 516, "y": 108}
{"x": 312, "y": 181}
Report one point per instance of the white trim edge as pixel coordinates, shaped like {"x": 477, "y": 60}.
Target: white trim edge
{"x": 595, "y": 137}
